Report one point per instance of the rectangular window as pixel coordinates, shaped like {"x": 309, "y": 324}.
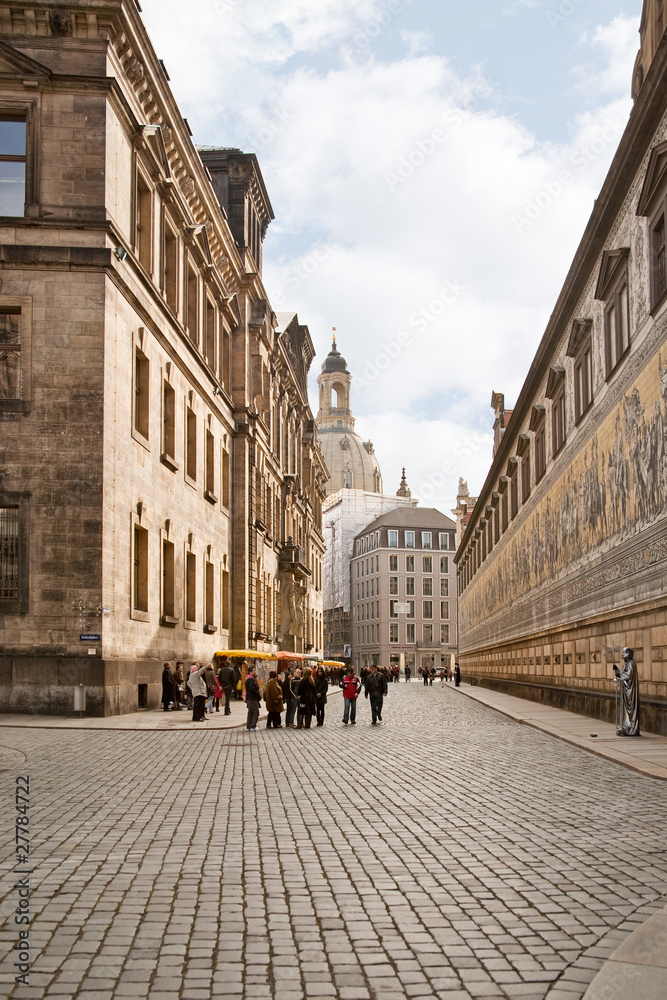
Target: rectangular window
{"x": 226, "y": 368}
{"x": 393, "y": 584}
{"x": 193, "y": 306}
{"x": 393, "y": 613}
{"x": 525, "y": 477}
{"x": 427, "y": 586}
{"x": 409, "y": 585}
{"x": 209, "y": 479}
{"x": 411, "y": 609}
{"x": 427, "y": 564}
{"x": 224, "y": 599}
{"x": 617, "y": 326}
{"x": 168, "y": 580}
{"x": 514, "y": 492}
{"x": 141, "y": 393}
{"x": 209, "y": 598}
{"x": 190, "y": 587}
{"x": 140, "y": 574}
{"x": 409, "y": 564}
{"x": 444, "y": 564}
{"x": 427, "y": 609}
{"x": 144, "y": 224}
{"x": 9, "y": 554}
{"x": 393, "y": 564}
{"x": 12, "y": 165}
{"x": 443, "y": 539}
{"x": 496, "y": 524}
{"x": 658, "y": 263}
{"x": 393, "y": 633}
{"x": 426, "y": 539}
{"x": 427, "y": 635}
{"x": 10, "y": 350}
{"x": 191, "y": 444}
{"x": 444, "y": 587}
{"x": 540, "y": 449}
{"x": 558, "y": 419}
{"x": 210, "y": 334}
{"x": 393, "y": 539}
{"x": 444, "y": 610}
{"x": 168, "y": 422}
{"x": 409, "y": 539}
{"x": 410, "y": 633}
{"x": 444, "y": 634}
{"x": 583, "y": 379}
{"x": 171, "y": 268}
{"x": 226, "y": 483}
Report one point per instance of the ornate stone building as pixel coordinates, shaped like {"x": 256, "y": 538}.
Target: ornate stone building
{"x": 161, "y": 485}
{"x": 563, "y": 561}
{"x": 351, "y": 462}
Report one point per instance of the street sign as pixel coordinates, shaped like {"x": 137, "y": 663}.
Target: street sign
{"x": 89, "y": 637}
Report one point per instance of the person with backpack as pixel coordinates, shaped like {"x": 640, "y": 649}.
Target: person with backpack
{"x": 351, "y": 686}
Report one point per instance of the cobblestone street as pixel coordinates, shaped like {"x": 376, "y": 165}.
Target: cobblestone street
{"x": 447, "y": 852}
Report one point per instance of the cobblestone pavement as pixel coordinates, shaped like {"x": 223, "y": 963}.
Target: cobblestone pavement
{"x": 447, "y": 852}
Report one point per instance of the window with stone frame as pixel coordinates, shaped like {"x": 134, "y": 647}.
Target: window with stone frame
{"x": 444, "y": 609}
{"x": 410, "y": 634}
{"x": 393, "y": 613}
{"x": 143, "y": 222}
{"x": 393, "y": 564}
{"x": 653, "y": 206}
{"x": 393, "y": 585}
{"x": 427, "y": 609}
{"x": 613, "y": 291}
{"x": 393, "y": 633}
{"x": 513, "y": 490}
{"x": 427, "y": 586}
{"x": 580, "y": 349}
{"x": 10, "y": 354}
{"x": 503, "y": 486}
{"x": 411, "y": 608}
{"x": 523, "y": 453}
{"x": 140, "y": 569}
{"x": 426, "y": 539}
{"x": 556, "y": 393}
{"x": 538, "y": 426}
{"x": 427, "y": 564}
{"x": 10, "y": 561}
{"x": 409, "y": 564}
{"x": 444, "y": 564}
{"x": 409, "y": 585}
{"x": 444, "y": 587}
{"x": 444, "y": 634}
{"x": 13, "y": 164}
{"x": 427, "y": 635}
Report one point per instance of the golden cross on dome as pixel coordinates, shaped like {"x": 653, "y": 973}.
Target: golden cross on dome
{"x": 333, "y": 333}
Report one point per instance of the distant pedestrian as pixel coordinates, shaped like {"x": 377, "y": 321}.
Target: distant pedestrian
{"x": 227, "y": 681}
{"x": 351, "y": 686}
{"x": 375, "y": 689}
{"x": 273, "y": 696}
{"x": 197, "y": 686}
{"x": 306, "y": 707}
{"x": 457, "y": 675}
{"x": 408, "y": 674}
{"x": 253, "y": 698}
{"x": 209, "y": 679}
{"x": 178, "y": 685}
{"x": 168, "y": 695}
{"x": 425, "y": 676}
{"x": 321, "y": 688}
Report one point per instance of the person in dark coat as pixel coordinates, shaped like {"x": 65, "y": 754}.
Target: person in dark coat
{"x": 375, "y": 688}
{"x": 292, "y": 696}
{"x": 457, "y": 675}
{"x": 253, "y": 698}
{"x": 168, "y": 695}
{"x": 321, "y": 688}
{"x": 227, "y": 681}
{"x": 306, "y": 707}
{"x": 177, "y": 678}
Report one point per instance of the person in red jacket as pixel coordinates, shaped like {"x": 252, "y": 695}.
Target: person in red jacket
{"x": 351, "y": 686}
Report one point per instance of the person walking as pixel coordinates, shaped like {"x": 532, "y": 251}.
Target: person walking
{"x": 375, "y": 689}
{"x": 292, "y": 696}
{"x": 351, "y": 686}
{"x": 408, "y": 673}
{"x": 321, "y": 688}
{"x": 306, "y": 707}
{"x": 273, "y": 696}
{"x": 168, "y": 695}
{"x": 457, "y": 675}
{"x": 197, "y": 686}
{"x": 227, "y": 681}
{"x": 209, "y": 678}
{"x": 253, "y": 698}
{"x": 425, "y": 676}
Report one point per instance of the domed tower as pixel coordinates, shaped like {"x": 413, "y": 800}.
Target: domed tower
{"x": 351, "y": 461}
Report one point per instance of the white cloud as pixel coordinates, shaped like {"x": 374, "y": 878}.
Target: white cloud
{"x": 434, "y": 235}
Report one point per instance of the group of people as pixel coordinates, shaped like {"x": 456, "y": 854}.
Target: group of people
{"x": 446, "y": 674}
{"x": 202, "y": 689}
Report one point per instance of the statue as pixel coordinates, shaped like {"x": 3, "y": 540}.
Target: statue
{"x": 628, "y": 679}
{"x": 293, "y": 596}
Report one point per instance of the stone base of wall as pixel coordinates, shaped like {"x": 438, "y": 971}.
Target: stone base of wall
{"x": 596, "y": 704}
{"x": 45, "y": 685}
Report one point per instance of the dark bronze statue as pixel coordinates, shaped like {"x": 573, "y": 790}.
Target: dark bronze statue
{"x": 628, "y": 679}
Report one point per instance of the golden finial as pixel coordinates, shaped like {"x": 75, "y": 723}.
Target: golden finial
{"x": 333, "y": 333}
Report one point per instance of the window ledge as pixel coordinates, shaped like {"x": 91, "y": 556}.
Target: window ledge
{"x": 169, "y": 462}
{"x": 211, "y": 497}
{"x": 140, "y": 439}
{"x": 140, "y": 616}
{"x": 190, "y": 625}
{"x": 169, "y": 621}
{"x": 210, "y": 629}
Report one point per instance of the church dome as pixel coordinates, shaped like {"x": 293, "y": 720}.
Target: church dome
{"x": 334, "y": 361}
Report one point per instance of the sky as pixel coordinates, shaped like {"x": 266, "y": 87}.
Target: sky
{"x": 432, "y": 166}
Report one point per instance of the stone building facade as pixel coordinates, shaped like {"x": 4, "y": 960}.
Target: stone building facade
{"x": 403, "y": 591}
{"x": 161, "y": 485}
{"x": 564, "y": 560}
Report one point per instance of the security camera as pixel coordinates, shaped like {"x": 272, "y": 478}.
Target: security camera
{"x": 120, "y": 253}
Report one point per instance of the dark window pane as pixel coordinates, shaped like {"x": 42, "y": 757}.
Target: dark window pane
{"x": 12, "y": 138}
{"x": 12, "y": 188}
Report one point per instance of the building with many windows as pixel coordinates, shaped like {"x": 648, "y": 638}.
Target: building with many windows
{"x": 402, "y": 581}
{"x": 161, "y": 485}
{"x": 563, "y": 561}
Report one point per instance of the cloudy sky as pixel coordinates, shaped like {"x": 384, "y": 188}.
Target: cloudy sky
{"x": 432, "y": 165}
